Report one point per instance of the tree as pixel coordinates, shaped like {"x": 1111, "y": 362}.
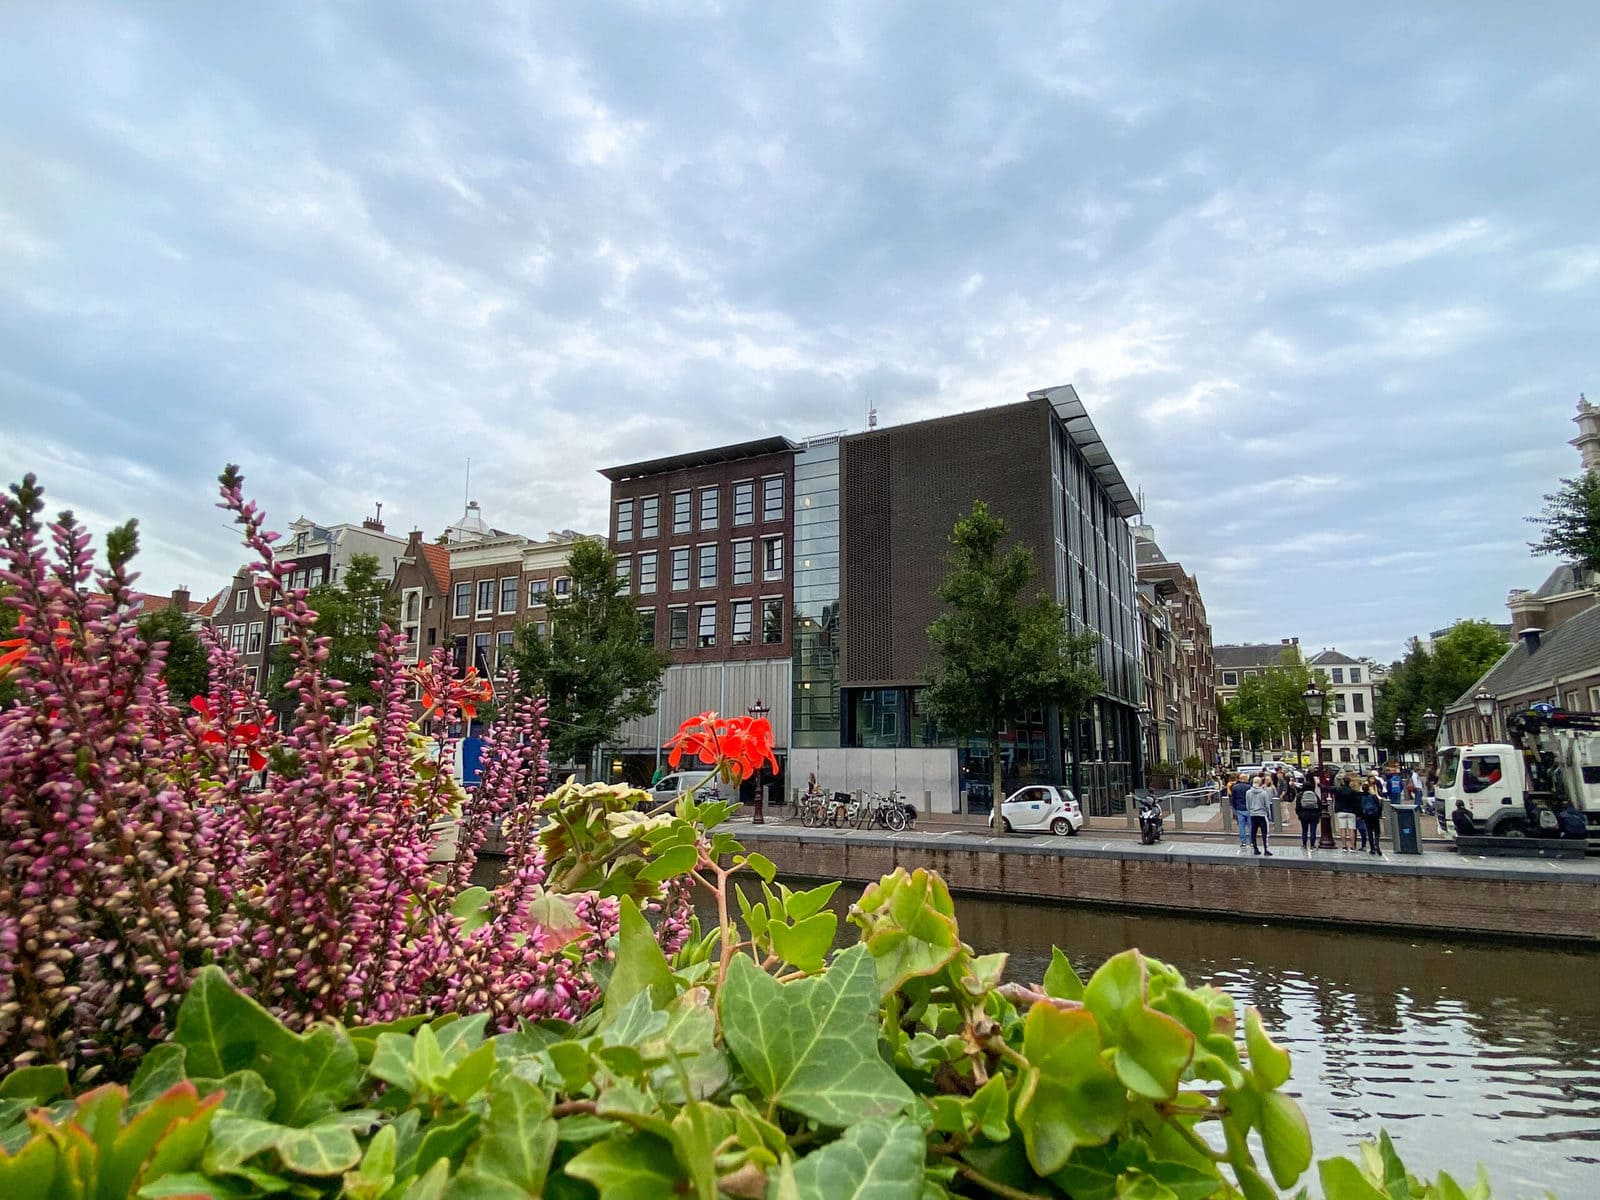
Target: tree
{"x": 590, "y": 663}
{"x": 349, "y": 615}
{"x": 996, "y": 655}
{"x": 186, "y": 670}
{"x": 1286, "y": 684}
{"x": 1434, "y": 679}
{"x": 1571, "y": 522}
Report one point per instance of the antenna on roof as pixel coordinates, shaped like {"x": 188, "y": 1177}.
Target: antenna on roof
{"x": 466, "y": 490}
{"x": 872, "y": 416}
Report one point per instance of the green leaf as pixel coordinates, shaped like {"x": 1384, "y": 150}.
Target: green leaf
{"x": 675, "y": 861}
{"x": 762, "y": 866}
{"x": 805, "y": 944}
{"x": 470, "y": 1075}
{"x": 1068, "y": 1097}
{"x": 797, "y": 906}
{"x": 327, "y": 1146}
{"x": 697, "y": 1130}
{"x": 812, "y": 1045}
{"x": 640, "y": 965}
{"x": 159, "y": 1071}
{"x": 1342, "y": 1180}
{"x": 186, "y": 1185}
{"x": 638, "y": 1166}
{"x": 513, "y": 1153}
{"x": 459, "y": 1036}
{"x": 874, "y": 1160}
{"x": 430, "y": 1186}
{"x": 1149, "y": 1050}
{"x": 1286, "y": 1138}
{"x": 427, "y": 1059}
{"x": 1395, "y": 1180}
{"x": 908, "y": 923}
{"x": 224, "y": 1031}
{"x": 39, "y": 1084}
{"x": 1060, "y": 980}
{"x": 471, "y": 908}
{"x": 375, "y": 1175}
{"x": 988, "y": 1109}
{"x": 244, "y": 1094}
{"x": 31, "y": 1170}
{"x": 1269, "y": 1062}
{"x": 445, "y": 1140}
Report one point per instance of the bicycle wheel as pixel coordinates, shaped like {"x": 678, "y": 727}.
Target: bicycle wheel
{"x": 895, "y": 819}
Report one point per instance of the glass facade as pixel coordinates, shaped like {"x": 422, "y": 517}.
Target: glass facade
{"x": 816, "y": 594}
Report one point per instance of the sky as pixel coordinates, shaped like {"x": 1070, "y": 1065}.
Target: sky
{"x": 1326, "y": 276}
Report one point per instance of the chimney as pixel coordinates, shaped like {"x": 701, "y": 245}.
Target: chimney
{"x": 1530, "y": 638}
{"x": 180, "y": 599}
{"x": 375, "y": 521}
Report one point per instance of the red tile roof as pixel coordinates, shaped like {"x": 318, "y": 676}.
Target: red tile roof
{"x": 438, "y": 560}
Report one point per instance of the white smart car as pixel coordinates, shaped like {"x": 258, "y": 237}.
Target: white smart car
{"x": 1041, "y": 808}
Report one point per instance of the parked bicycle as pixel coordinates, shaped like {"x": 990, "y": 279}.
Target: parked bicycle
{"x": 883, "y": 811}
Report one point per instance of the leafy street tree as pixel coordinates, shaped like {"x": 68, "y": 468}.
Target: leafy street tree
{"x": 349, "y": 614}
{"x": 186, "y": 671}
{"x": 590, "y": 663}
{"x": 996, "y": 654}
{"x": 1271, "y": 705}
{"x": 1571, "y": 522}
{"x": 1434, "y": 679}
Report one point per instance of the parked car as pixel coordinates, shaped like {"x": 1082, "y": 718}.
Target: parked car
{"x": 1039, "y": 807}
{"x": 670, "y": 787}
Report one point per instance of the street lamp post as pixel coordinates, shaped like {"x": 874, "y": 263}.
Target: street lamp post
{"x": 759, "y": 710}
{"x": 1399, "y": 740}
{"x": 1485, "y": 701}
{"x": 1430, "y": 725}
{"x": 1315, "y": 698}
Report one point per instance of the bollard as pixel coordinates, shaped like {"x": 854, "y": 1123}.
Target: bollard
{"x": 1131, "y": 810}
{"x": 1177, "y": 814}
{"x": 1277, "y": 816}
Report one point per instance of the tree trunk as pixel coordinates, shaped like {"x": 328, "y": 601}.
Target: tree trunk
{"x": 998, "y": 785}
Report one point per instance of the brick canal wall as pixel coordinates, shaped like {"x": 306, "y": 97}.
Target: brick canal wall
{"x": 1524, "y": 900}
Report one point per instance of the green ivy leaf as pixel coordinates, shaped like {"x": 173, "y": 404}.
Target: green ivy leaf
{"x": 430, "y": 1186}
{"x": 762, "y": 866}
{"x": 375, "y": 1175}
{"x": 184, "y": 1185}
{"x": 1068, "y": 1097}
{"x": 639, "y": 1166}
{"x": 874, "y": 1160}
{"x": 512, "y": 1157}
{"x": 1269, "y": 1062}
{"x": 41, "y": 1084}
{"x": 908, "y": 923}
{"x": 640, "y": 965}
{"x": 988, "y": 1110}
{"x": 811, "y": 1045}
{"x": 391, "y": 1061}
{"x": 1149, "y": 1050}
{"x": 160, "y": 1070}
{"x": 471, "y": 1075}
{"x": 697, "y": 1130}
{"x": 1060, "y": 980}
{"x": 805, "y": 944}
{"x": 670, "y": 863}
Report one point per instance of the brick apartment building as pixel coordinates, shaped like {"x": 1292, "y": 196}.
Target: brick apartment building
{"x": 1188, "y": 716}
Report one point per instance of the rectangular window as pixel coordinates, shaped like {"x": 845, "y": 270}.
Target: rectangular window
{"x": 1355, "y": 674}
{"x": 744, "y": 503}
{"x": 485, "y": 597}
{"x": 251, "y": 675}
{"x": 625, "y": 573}
{"x": 772, "y": 558}
{"x": 680, "y": 512}
{"x": 708, "y": 566}
{"x": 772, "y": 498}
{"x": 1338, "y": 674}
{"x": 458, "y": 652}
{"x": 744, "y": 569}
{"x": 238, "y": 602}
{"x": 624, "y": 521}
{"x": 237, "y": 641}
{"x": 650, "y": 516}
{"x": 677, "y": 628}
{"x": 1338, "y": 702}
{"x": 463, "y": 599}
{"x": 647, "y": 627}
{"x": 278, "y": 626}
{"x": 1344, "y": 731}
{"x": 502, "y": 648}
{"x": 254, "y": 645}
{"x": 480, "y": 652}
{"x": 710, "y": 505}
{"x": 1361, "y": 731}
{"x": 314, "y": 579}
{"x": 1230, "y": 679}
{"x": 563, "y": 586}
{"x": 508, "y": 594}
{"x": 743, "y": 622}
{"x": 680, "y": 569}
{"x": 771, "y": 622}
{"x": 707, "y": 627}
{"x": 538, "y": 589}
{"x": 1358, "y": 703}
{"x": 647, "y": 574}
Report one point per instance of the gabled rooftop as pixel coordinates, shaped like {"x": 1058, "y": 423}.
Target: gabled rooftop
{"x": 1571, "y": 648}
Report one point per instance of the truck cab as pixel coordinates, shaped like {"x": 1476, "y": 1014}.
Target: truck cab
{"x": 1516, "y": 788}
{"x": 1489, "y": 777}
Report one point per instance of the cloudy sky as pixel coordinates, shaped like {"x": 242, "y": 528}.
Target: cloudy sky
{"x": 1325, "y": 275}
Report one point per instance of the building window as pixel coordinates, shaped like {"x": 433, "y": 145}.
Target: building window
{"x": 458, "y": 652}
{"x": 708, "y": 566}
{"x": 1344, "y": 731}
{"x": 625, "y": 573}
{"x": 508, "y": 594}
{"x": 413, "y": 605}
{"x": 707, "y": 627}
{"x": 1355, "y": 674}
{"x": 680, "y": 569}
{"x": 1358, "y": 702}
{"x": 1230, "y": 679}
{"x": 537, "y": 590}
{"x": 677, "y": 629}
{"x": 744, "y": 502}
{"x": 480, "y": 652}
{"x": 502, "y": 648}
{"x": 251, "y": 675}
{"x": 463, "y": 599}
{"x": 563, "y": 586}
{"x": 744, "y": 555}
{"x": 254, "y": 645}
{"x": 647, "y": 627}
{"x": 485, "y": 597}
{"x": 1361, "y": 731}
{"x": 1594, "y": 699}
{"x": 647, "y": 574}
{"x": 743, "y": 622}
{"x": 238, "y": 639}
{"x": 278, "y": 625}
{"x": 710, "y": 506}
{"x": 771, "y": 622}
{"x": 1344, "y": 753}
{"x": 772, "y": 558}
{"x": 772, "y": 498}
{"x": 238, "y": 602}
{"x": 1338, "y": 702}
{"x": 680, "y": 512}
{"x": 539, "y": 628}
{"x": 624, "y": 520}
{"x": 1338, "y": 674}
{"x": 650, "y": 516}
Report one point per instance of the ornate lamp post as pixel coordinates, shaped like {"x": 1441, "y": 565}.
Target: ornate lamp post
{"x": 1485, "y": 700}
{"x": 1399, "y": 739}
{"x": 759, "y": 710}
{"x": 1430, "y": 724}
{"x": 1315, "y": 698}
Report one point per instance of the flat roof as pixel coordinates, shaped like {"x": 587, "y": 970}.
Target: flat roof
{"x": 1064, "y": 400}
{"x": 701, "y": 458}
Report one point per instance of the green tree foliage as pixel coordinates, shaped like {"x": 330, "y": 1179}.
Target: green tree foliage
{"x": 1571, "y": 522}
{"x": 590, "y": 662}
{"x": 186, "y": 670}
{"x": 997, "y": 654}
{"x": 1434, "y": 679}
{"x": 349, "y": 614}
{"x": 1271, "y": 705}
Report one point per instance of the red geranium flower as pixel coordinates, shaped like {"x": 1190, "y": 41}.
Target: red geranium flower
{"x": 738, "y": 746}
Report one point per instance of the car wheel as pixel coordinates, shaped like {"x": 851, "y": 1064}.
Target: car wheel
{"x": 1061, "y": 827}
{"x": 1006, "y": 821}
{"x": 1072, "y": 830}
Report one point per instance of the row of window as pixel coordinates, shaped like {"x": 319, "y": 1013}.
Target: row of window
{"x": 706, "y": 564}
{"x": 1336, "y": 675}
{"x": 709, "y": 505}
{"x": 741, "y": 625}
{"x": 506, "y": 590}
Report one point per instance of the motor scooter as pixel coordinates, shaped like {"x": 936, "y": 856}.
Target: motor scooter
{"x": 1150, "y": 820}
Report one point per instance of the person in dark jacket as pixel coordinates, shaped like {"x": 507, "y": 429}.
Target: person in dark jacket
{"x": 1346, "y": 812}
{"x": 1241, "y": 817}
{"x": 1372, "y": 814}
{"x": 1462, "y": 820}
{"x": 1308, "y": 807}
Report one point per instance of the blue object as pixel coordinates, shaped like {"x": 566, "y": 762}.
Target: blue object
{"x": 471, "y": 751}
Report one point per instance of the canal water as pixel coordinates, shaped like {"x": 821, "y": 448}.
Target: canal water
{"x": 1464, "y": 1051}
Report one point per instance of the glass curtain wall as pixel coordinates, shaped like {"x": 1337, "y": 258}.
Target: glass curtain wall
{"x": 816, "y": 594}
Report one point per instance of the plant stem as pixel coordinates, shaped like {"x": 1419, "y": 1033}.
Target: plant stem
{"x": 995, "y": 1186}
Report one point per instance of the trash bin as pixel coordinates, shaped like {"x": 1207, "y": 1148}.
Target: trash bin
{"x": 1407, "y": 831}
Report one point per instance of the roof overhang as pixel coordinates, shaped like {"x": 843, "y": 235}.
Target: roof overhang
{"x": 1064, "y": 400}
{"x": 759, "y": 448}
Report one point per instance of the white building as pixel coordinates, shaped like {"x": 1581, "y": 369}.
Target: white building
{"x": 1351, "y": 685}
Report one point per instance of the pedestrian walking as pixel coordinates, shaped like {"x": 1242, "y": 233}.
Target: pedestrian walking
{"x": 1371, "y": 815}
{"x": 1346, "y": 812}
{"x": 1258, "y": 803}
{"x": 1308, "y": 807}
{"x": 1237, "y": 795}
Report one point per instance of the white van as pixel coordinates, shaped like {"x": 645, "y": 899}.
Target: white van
{"x": 670, "y": 787}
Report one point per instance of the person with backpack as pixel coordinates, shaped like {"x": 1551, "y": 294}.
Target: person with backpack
{"x": 1258, "y": 803}
{"x": 1371, "y": 814}
{"x": 1308, "y": 807}
{"x": 1346, "y": 812}
{"x": 1241, "y": 816}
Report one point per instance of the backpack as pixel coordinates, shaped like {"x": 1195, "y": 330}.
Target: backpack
{"x": 1371, "y": 805}
{"x": 1396, "y": 786}
{"x": 1309, "y": 803}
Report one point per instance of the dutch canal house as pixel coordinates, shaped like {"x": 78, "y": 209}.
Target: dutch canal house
{"x": 801, "y": 575}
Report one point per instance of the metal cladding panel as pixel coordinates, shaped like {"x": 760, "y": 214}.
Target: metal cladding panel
{"x": 729, "y": 688}
{"x": 902, "y": 490}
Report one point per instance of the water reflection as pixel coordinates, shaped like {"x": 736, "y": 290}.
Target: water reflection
{"x": 1465, "y": 1052}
